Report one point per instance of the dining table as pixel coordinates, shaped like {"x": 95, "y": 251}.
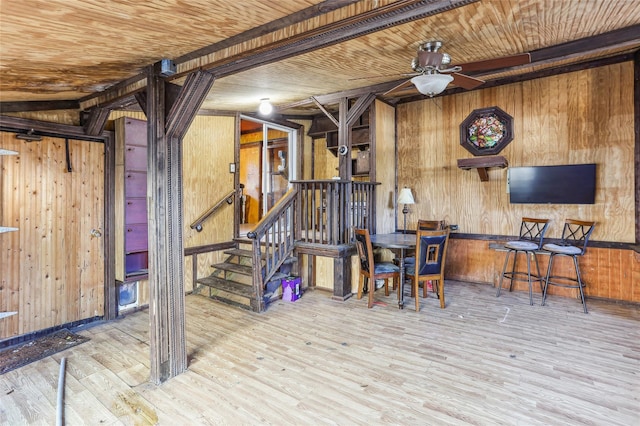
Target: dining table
{"x": 398, "y": 243}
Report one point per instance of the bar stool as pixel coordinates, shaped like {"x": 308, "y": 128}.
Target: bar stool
{"x": 531, "y": 239}
{"x": 575, "y": 236}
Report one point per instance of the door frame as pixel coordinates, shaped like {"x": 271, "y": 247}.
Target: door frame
{"x": 293, "y": 159}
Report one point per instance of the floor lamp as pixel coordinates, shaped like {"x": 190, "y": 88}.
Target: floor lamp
{"x": 405, "y": 197}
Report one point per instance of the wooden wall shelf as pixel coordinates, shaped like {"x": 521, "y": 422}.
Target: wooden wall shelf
{"x": 482, "y": 164}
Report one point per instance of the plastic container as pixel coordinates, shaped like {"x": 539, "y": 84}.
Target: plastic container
{"x": 291, "y": 289}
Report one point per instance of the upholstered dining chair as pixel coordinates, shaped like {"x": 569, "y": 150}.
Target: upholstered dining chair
{"x": 431, "y": 254}
{"x": 575, "y": 237}
{"x": 409, "y": 262}
{"x": 370, "y": 271}
{"x": 530, "y": 240}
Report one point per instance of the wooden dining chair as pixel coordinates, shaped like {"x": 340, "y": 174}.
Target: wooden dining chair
{"x": 370, "y": 271}
{"x": 409, "y": 262}
{"x": 431, "y": 254}
{"x": 431, "y": 225}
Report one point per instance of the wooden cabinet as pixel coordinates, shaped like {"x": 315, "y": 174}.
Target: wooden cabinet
{"x": 132, "y": 258}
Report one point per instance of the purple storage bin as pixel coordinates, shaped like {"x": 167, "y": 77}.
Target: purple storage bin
{"x": 291, "y": 289}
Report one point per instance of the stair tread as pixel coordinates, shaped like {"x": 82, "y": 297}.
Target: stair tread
{"x": 234, "y": 267}
{"x": 242, "y": 253}
{"x": 228, "y": 286}
{"x": 239, "y": 252}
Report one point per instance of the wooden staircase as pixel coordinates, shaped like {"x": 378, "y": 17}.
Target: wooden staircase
{"x": 232, "y": 280}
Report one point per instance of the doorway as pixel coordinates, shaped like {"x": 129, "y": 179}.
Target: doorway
{"x": 267, "y": 165}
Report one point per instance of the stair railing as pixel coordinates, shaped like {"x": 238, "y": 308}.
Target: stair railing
{"x": 330, "y": 209}
{"x": 273, "y": 242}
{"x": 197, "y": 224}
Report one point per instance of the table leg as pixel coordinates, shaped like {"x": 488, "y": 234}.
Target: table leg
{"x": 401, "y": 298}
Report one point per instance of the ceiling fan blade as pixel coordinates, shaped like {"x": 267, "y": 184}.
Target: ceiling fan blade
{"x": 465, "y": 81}
{"x": 429, "y": 59}
{"x": 398, "y": 87}
{"x": 497, "y": 63}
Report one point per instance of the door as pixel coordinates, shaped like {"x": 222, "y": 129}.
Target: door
{"x": 267, "y": 165}
{"x": 52, "y": 267}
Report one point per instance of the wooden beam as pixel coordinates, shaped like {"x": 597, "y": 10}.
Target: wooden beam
{"x": 257, "y": 32}
{"x": 399, "y": 12}
{"x": 636, "y": 127}
{"x": 342, "y": 278}
{"x": 109, "y": 229}
{"x": 23, "y": 106}
{"x": 344, "y": 139}
{"x": 327, "y": 113}
{"x": 359, "y": 108}
{"x": 620, "y": 37}
{"x": 46, "y": 128}
{"x": 186, "y": 105}
{"x": 141, "y": 98}
{"x": 164, "y": 195}
{"x": 96, "y": 121}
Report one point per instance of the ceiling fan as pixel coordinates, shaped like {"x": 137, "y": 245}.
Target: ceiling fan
{"x": 433, "y": 70}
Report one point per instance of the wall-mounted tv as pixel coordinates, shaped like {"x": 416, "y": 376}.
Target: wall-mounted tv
{"x": 568, "y": 184}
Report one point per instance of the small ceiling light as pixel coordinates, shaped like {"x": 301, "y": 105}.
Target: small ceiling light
{"x": 265, "y": 107}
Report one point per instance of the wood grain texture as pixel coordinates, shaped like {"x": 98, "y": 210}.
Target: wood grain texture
{"x": 385, "y": 158}
{"x": 482, "y": 360}
{"x": 207, "y": 151}
{"x": 608, "y": 273}
{"x": 51, "y": 269}
{"x": 581, "y": 117}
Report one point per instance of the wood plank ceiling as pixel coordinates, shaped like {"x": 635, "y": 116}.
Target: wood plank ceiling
{"x": 79, "y": 54}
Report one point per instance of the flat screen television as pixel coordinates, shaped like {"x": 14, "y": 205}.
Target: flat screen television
{"x": 567, "y": 184}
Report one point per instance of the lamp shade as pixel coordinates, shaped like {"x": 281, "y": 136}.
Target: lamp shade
{"x": 405, "y": 197}
{"x": 431, "y": 84}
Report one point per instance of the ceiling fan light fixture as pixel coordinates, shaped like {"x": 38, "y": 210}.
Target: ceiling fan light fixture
{"x": 431, "y": 84}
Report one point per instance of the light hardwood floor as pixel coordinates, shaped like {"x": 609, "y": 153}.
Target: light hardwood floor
{"x": 483, "y": 361}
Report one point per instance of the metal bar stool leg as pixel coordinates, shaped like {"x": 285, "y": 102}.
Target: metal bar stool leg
{"x": 529, "y": 277}
{"x": 540, "y": 279}
{"x": 580, "y": 285}
{"x": 546, "y": 281}
{"x": 504, "y": 268}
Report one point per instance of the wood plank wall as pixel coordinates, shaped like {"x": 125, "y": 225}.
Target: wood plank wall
{"x": 208, "y": 148}
{"x": 580, "y": 117}
{"x": 385, "y": 171}
{"x": 51, "y": 269}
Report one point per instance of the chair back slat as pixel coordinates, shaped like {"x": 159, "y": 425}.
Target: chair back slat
{"x": 365, "y": 250}
{"x": 577, "y": 233}
{"x": 533, "y": 230}
{"x": 430, "y": 225}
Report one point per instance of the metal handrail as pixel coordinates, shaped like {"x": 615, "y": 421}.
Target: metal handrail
{"x": 197, "y": 224}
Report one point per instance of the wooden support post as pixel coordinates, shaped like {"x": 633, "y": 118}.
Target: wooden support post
{"x": 342, "y": 277}
{"x": 164, "y": 193}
